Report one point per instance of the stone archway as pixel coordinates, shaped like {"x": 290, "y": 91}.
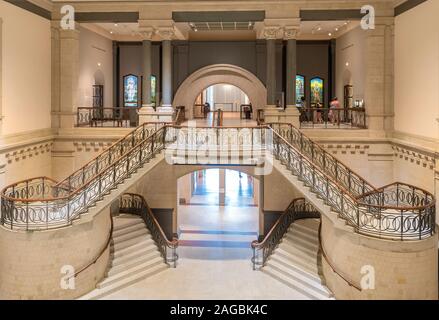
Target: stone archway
{"x": 220, "y": 73}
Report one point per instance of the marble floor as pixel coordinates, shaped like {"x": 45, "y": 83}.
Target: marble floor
{"x": 214, "y": 260}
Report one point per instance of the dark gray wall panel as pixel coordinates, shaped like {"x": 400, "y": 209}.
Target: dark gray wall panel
{"x": 313, "y": 61}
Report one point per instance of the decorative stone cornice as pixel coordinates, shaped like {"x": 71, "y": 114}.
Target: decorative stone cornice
{"x": 166, "y": 33}
{"x": 271, "y": 33}
{"x": 291, "y": 33}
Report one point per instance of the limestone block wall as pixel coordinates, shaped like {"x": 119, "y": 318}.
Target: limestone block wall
{"x": 25, "y": 155}
{"x": 31, "y": 262}
{"x": 403, "y": 270}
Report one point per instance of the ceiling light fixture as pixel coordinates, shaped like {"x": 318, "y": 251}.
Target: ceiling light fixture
{"x": 99, "y": 64}
{"x": 330, "y": 34}
{"x": 115, "y": 24}
{"x": 111, "y": 31}
{"x": 347, "y": 64}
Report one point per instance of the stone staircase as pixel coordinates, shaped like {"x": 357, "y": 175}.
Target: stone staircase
{"x": 134, "y": 257}
{"x": 295, "y": 262}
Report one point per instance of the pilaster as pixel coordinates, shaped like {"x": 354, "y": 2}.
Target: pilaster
{"x": 69, "y": 76}
{"x": 1, "y": 77}
{"x": 379, "y": 77}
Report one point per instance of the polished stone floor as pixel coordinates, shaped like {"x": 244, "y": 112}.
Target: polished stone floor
{"x": 214, "y": 260}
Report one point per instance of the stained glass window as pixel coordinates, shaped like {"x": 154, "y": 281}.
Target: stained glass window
{"x": 316, "y": 91}
{"x": 131, "y": 90}
{"x": 300, "y": 88}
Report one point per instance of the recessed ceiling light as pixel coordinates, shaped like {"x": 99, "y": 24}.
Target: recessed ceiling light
{"x": 347, "y": 64}
{"x": 111, "y": 31}
{"x": 330, "y": 34}
{"x": 336, "y": 29}
{"x": 115, "y": 24}
{"x": 319, "y": 28}
{"x": 99, "y": 64}
{"x": 195, "y": 29}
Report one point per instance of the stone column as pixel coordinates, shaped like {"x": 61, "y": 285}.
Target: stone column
{"x": 167, "y": 35}
{"x": 146, "y": 59}
{"x": 115, "y": 74}
{"x": 222, "y": 187}
{"x": 378, "y": 59}
{"x": 270, "y": 34}
{"x": 290, "y": 34}
{"x": 147, "y": 112}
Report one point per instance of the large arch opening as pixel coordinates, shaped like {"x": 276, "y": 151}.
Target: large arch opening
{"x": 218, "y": 212}
{"x": 203, "y": 78}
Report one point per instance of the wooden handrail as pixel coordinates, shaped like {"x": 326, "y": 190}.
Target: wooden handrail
{"x": 101, "y": 252}
{"x": 350, "y": 282}
{"x": 256, "y": 243}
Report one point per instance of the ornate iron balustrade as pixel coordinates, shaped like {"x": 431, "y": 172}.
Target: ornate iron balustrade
{"x": 298, "y": 209}
{"x": 333, "y": 117}
{"x": 136, "y": 204}
{"x": 41, "y": 203}
{"x": 351, "y": 181}
{"x": 373, "y": 213}
{"x": 107, "y": 117}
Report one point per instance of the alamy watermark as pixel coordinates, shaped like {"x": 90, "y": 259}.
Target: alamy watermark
{"x": 368, "y": 20}
{"x": 67, "y": 281}
{"x": 68, "y": 17}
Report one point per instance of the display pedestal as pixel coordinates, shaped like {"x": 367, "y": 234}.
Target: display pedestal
{"x": 289, "y": 115}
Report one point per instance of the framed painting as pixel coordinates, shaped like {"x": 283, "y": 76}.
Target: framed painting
{"x": 317, "y": 90}
{"x": 131, "y": 90}
{"x": 300, "y": 88}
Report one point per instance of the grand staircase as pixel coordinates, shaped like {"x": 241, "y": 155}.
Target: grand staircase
{"x": 134, "y": 257}
{"x": 398, "y": 211}
{"x": 296, "y": 262}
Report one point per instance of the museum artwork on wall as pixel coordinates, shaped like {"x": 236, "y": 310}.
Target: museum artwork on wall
{"x": 131, "y": 90}
{"x": 300, "y": 88}
{"x": 316, "y": 91}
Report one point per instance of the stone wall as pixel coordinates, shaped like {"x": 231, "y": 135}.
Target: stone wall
{"x": 31, "y": 268}
{"x": 403, "y": 270}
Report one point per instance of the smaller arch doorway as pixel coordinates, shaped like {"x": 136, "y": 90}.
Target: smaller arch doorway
{"x": 218, "y": 213}
{"x": 222, "y": 96}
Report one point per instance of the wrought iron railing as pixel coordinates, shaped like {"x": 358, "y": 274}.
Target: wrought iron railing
{"x": 298, "y": 209}
{"x": 107, "y": 117}
{"x": 41, "y": 203}
{"x": 345, "y": 176}
{"x": 332, "y": 117}
{"x": 373, "y": 213}
{"x": 398, "y": 211}
{"x": 136, "y": 204}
